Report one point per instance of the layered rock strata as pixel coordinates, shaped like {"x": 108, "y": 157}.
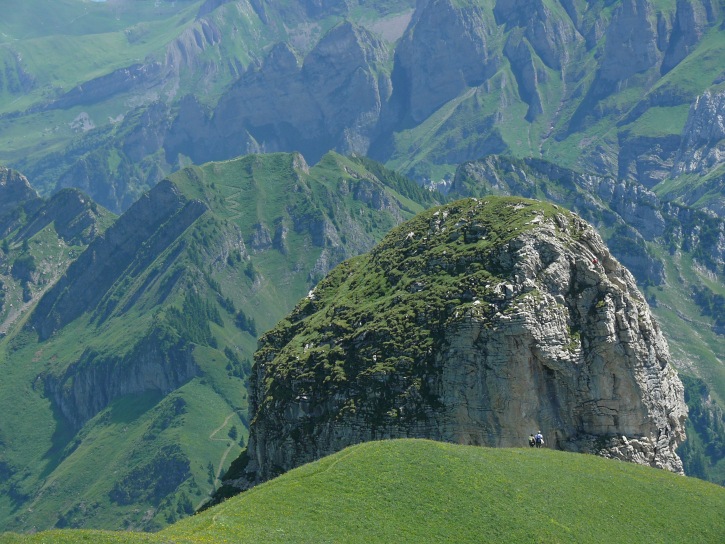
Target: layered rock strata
{"x": 476, "y": 323}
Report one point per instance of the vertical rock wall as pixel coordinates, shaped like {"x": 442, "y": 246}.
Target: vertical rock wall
{"x": 495, "y": 319}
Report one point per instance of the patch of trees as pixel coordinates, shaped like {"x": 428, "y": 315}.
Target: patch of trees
{"x": 246, "y": 323}
{"x": 237, "y": 367}
{"x": 23, "y": 267}
{"x": 707, "y": 420}
{"x": 154, "y": 480}
{"x": 192, "y": 321}
{"x": 711, "y": 304}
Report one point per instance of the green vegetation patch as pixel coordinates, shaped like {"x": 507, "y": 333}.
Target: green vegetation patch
{"x": 423, "y": 491}
{"x": 367, "y": 332}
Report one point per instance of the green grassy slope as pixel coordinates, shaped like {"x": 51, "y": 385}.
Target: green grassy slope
{"x": 77, "y": 41}
{"x": 79, "y": 453}
{"x": 422, "y": 491}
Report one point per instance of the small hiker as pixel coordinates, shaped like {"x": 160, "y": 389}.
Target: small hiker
{"x": 532, "y": 440}
{"x": 539, "y": 439}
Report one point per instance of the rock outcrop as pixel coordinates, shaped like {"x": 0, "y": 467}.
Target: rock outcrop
{"x": 703, "y": 142}
{"x": 475, "y": 323}
{"x": 15, "y": 190}
{"x": 88, "y": 385}
{"x": 630, "y": 213}
{"x": 701, "y": 154}
{"x": 691, "y": 20}
{"x": 73, "y": 215}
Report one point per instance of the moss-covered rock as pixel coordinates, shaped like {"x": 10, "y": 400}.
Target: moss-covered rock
{"x": 478, "y": 322}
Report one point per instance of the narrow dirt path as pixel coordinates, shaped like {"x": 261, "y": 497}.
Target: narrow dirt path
{"x": 220, "y": 427}
{"x": 222, "y": 460}
{"x": 233, "y": 202}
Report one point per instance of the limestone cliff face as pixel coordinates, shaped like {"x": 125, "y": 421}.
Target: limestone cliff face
{"x": 691, "y": 20}
{"x": 331, "y": 99}
{"x": 91, "y": 383}
{"x": 476, "y": 323}
{"x": 446, "y": 49}
{"x": 701, "y": 153}
{"x": 703, "y": 145}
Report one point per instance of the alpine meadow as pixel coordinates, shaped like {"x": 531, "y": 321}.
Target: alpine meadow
{"x": 316, "y": 270}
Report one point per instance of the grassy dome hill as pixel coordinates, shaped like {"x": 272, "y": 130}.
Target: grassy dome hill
{"x": 424, "y": 491}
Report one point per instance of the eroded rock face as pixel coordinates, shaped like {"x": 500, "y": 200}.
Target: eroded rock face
{"x": 91, "y": 383}
{"x": 332, "y": 99}
{"x": 703, "y": 145}
{"x": 445, "y": 49}
{"x": 14, "y": 190}
{"x": 476, "y": 323}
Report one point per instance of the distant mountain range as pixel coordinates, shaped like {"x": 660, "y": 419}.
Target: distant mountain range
{"x": 127, "y": 340}
{"x": 631, "y": 89}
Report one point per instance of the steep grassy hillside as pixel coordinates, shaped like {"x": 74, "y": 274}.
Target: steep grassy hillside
{"x": 124, "y": 395}
{"x": 421, "y": 491}
{"x": 39, "y": 239}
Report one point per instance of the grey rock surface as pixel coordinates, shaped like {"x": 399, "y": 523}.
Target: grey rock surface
{"x": 556, "y": 338}
{"x": 703, "y": 145}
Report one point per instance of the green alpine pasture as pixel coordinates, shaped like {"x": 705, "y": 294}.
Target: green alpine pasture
{"x": 272, "y": 226}
{"x": 424, "y": 491}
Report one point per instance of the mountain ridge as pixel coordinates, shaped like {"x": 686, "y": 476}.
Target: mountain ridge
{"x": 142, "y": 349}
{"x": 571, "y": 87}
{"x": 375, "y": 492}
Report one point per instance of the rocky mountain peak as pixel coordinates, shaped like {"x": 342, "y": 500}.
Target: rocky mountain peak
{"x": 430, "y": 67}
{"x": 700, "y": 157}
{"x": 14, "y": 189}
{"x": 348, "y": 42}
{"x": 703, "y": 143}
{"x": 475, "y": 323}
{"x": 691, "y": 20}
